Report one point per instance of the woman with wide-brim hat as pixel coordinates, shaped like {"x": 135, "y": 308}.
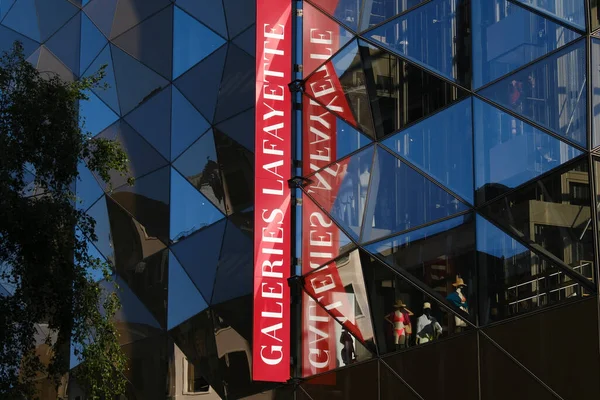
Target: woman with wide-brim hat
{"x": 459, "y": 300}
{"x": 400, "y": 320}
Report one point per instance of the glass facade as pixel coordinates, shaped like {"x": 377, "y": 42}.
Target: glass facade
{"x": 454, "y": 167}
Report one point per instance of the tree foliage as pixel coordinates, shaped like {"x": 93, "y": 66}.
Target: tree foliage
{"x": 45, "y": 268}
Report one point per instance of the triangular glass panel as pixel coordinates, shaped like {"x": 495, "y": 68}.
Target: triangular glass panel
{"x": 87, "y": 188}
{"x": 151, "y": 42}
{"x": 546, "y": 94}
{"x": 94, "y": 273}
{"x": 200, "y": 85}
{"x": 34, "y": 58}
{"x": 326, "y": 137}
{"x": 540, "y": 356}
{"x": 104, "y": 237}
{"x": 148, "y": 201}
{"x": 65, "y": 43}
{"x": 402, "y": 199}
{"x": 240, "y": 128}
{"x": 324, "y": 37}
{"x": 445, "y": 46}
{"x": 192, "y": 42}
{"x": 495, "y": 366}
{"x": 207, "y": 243}
{"x": 185, "y": 300}
{"x": 53, "y": 14}
{"x": 553, "y": 215}
{"x": 410, "y": 365}
{"x": 8, "y": 37}
{"x": 521, "y": 42}
{"x": 240, "y": 14}
{"x": 22, "y": 17}
{"x": 435, "y": 256}
{"x": 142, "y": 158}
{"x": 244, "y": 220}
{"x": 247, "y": 40}
{"x": 237, "y": 92}
{"x": 391, "y": 387}
{"x": 152, "y": 120}
{"x": 102, "y": 12}
{"x": 340, "y": 85}
{"x": 515, "y": 280}
{"x": 136, "y": 81}
{"x": 190, "y": 211}
{"x": 130, "y": 13}
{"x": 209, "y": 12}
{"x": 322, "y": 240}
{"x": 235, "y": 269}
{"x": 403, "y": 315}
{"x": 53, "y": 66}
{"x": 571, "y": 12}
{"x": 374, "y": 14}
{"x": 339, "y": 287}
{"x": 92, "y": 41}
{"x": 200, "y": 166}
{"x": 95, "y": 115}
{"x": 336, "y": 344}
{"x": 108, "y": 93}
{"x": 237, "y": 171}
{"x": 153, "y": 355}
{"x": 346, "y": 11}
{"x": 442, "y": 147}
{"x": 510, "y": 152}
{"x": 5, "y": 6}
{"x": 334, "y": 188}
{"x": 187, "y": 124}
{"x": 595, "y": 78}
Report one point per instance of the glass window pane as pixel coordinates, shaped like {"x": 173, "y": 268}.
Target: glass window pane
{"x": 435, "y": 256}
{"x": 595, "y": 71}
{"x": 147, "y": 367}
{"x": 87, "y": 188}
{"x": 551, "y": 92}
{"x": 572, "y": 12}
{"x": 92, "y": 41}
{"x": 346, "y": 11}
{"x": 102, "y": 12}
{"x": 208, "y": 12}
{"x": 376, "y": 12}
{"x": 509, "y": 152}
{"x": 109, "y": 93}
{"x": 435, "y": 35}
{"x": 553, "y": 214}
{"x": 184, "y": 299}
{"x": 360, "y": 382}
{"x": 187, "y": 124}
{"x": 130, "y": 13}
{"x": 595, "y": 14}
{"x": 237, "y": 91}
{"x": 239, "y": 15}
{"x": 400, "y": 198}
{"x": 441, "y": 146}
{"x": 526, "y": 36}
{"x": 514, "y": 280}
{"x": 240, "y": 128}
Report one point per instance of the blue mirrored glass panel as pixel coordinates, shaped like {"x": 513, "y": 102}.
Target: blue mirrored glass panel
{"x": 595, "y": 71}
{"x": 5, "y": 6}
{"x": 240, "y": 128}
{"x": 95, "y": 115}
{"x": 22, "y": 17}
{"x": 509, "y": 152}
{"x": 346, "y": 11}
{"x": 376, "y": 12}
{"x": 104, "y": 237}
{"x": 551, "y": 92}
{"x": 184, "y": 300}
{"x": 87, "y": 188}
{"x": 187, "y": 124}
{"x": 525, "y": 35}
{"x": 208, "y": 12}
{"x": 108, "y": 93}
{"x": 92, "y": 41}
{"x": 400, "y": 198}
{"x": 435, "y": 35}
{"x": 8, "y": 38}
{"x": 441, "y": 146}
{"x": 569, "y": 11}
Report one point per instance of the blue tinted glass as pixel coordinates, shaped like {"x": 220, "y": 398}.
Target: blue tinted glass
{"x": 237, "y": 91}
{"x": 136, "y": 81}
{"x": 95, "y": 274}
{"x": 153, "y": 121}
{"x": 400, "y": 198}
{"x": 184, "y": 300}
{"x": 92, "y": 41}
{"x": 595, "y": 71}
{"x": 442, "y": 146}
{"x": 526, "y": 36}
{"x": 192, "y": 42}
{"x": 8, "y": 38}
{"x": 341, "y": 189}
{"x": 376, "y": 12}
{"x": 108, "y": 93}
{"x": 95, "y": 114}
{"x": 509, "y": 152}
{"x": 199, "y": 255}
{"x": 434, "y": 35}
{"x": 187, "y": 124}
{"x": 104, "y": 243}
{"x": 52, "y": 14}
{"x": 5, "y": 6}
{"x": 190, "y": 211}
{"x": 22, "y": 17}
{"x": 551, "y": 92}
{"x": 209, "y": 12}
{"x": 130, "y": 13}
{"x": 240, "y": 14}
{"x": 247, "y": 40}
{"x": 345, "y": 11}
{"x": 102, "y": 12}
{"x": 65, "y": 43}
{"x": 133, "y": 311}
{"x": 571, "y": 11}
{"x": 201, "y": 83}
{"x": 240, "y": 128}
{"x": 87, "y": 188}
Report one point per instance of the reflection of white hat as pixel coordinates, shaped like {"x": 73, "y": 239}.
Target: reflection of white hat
{"x": 426, "y": 306}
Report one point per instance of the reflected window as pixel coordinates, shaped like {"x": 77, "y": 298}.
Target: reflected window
{"x": 572, "y": 11}
{"x": 194, "y": 381}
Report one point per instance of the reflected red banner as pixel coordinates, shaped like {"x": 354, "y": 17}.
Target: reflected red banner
{"x": 320, "y": 237}
{"x": 272, "y": 212}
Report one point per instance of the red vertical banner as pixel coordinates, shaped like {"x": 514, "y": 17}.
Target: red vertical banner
{"x": 272, "y": 211}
